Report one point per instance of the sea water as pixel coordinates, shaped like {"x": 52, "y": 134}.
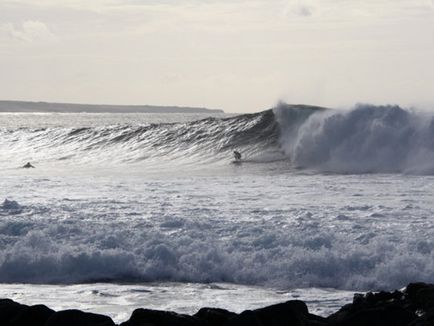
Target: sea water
{"x": 142, "y": 210}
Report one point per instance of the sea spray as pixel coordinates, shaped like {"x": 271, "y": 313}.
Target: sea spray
{"x": 365, "y": 139}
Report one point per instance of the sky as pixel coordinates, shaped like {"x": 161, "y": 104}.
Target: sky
{"x": 239, "y": 56}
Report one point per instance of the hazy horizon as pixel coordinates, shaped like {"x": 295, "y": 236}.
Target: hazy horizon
{"x": 238, "y": 56}
{"x": 28, "y": 106}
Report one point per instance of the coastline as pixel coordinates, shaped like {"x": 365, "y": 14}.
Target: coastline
{"x": 53, "y": 107}
{"x": 411, "y": 306}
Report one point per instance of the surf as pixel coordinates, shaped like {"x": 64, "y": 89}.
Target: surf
{"x": 365, "y": 139}
{"x": 362, "y": 139}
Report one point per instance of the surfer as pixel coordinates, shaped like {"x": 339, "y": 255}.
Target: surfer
{"x": 28, "y": 165}
{"x": 237, "y": 155}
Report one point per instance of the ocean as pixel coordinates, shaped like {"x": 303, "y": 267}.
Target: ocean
{"x": 150, "y": 210}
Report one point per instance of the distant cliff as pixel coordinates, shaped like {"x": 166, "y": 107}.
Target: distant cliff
{"x": 21, "y": 106}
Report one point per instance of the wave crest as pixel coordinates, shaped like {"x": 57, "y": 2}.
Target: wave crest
{"x": 366, "y": 139}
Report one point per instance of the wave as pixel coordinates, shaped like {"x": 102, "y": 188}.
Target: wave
{"x": 364, "y": 139}
{"x": 80, "y": 250}
{"x": 197, "y": 141}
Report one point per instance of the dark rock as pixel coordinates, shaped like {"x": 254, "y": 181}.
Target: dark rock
{"x": 247, "y": 317}
{"x": 293, "y": 313}
{"x": 390, "y": 314}
{"x": 148, "y": 317}
{"x": 383, "y": 297}
{"x": 34, "y": 315}
{"x": 343, "y": 313}
{"x": 314, "y": 320}
{"x": 376, "y": 298}
{"x": 420, "y": 296}
{"x": 367, "y": 308}
{"x": 358, "y": 299}
{"x": 78, "y": 318}
{"x": 9, "y": 309}
{"x": 214, "y": 316}
{"x": 426, "y": 320}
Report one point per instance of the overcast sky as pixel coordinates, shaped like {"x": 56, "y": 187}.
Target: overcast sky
{"x": 240, "y": 56}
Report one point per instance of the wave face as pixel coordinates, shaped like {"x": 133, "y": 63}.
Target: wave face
{"x": 366, "y": 139}
{"x": 197, "y": 141}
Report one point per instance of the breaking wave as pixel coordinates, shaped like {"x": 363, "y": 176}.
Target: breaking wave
{"x": 73, "y": 251}
{"x": 364, "y": 139}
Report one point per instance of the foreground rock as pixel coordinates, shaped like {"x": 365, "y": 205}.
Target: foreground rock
{"x": 32, "y": 315}
{"x": 15, "y": 314}
{"x": 77, "y": 317}
{"x": 294, "y": 313}
{"x": 160, "y": 318}
{"x": 413, "y": 306}
{"x": 9, "y": 310}
{"x": 214, "y": 316}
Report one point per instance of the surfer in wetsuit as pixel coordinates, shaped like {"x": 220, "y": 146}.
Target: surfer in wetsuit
{"x": 28, "y": 165}
{"x": 237, "y": 155}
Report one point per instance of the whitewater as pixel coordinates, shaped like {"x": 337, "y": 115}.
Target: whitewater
{"x": 126, "y": 210}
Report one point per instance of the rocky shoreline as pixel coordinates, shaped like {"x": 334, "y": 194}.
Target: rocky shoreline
{"x": 412, "y": 306}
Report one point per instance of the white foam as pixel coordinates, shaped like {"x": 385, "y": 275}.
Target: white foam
{"x": 280, "y": 230}
{"x": 366, "y": 139}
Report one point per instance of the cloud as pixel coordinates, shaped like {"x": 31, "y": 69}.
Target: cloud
{"x": 299, "y": 8}
{"x": 29, "y": 31}
{"x": 302, "y": 10}
{"x": 211, "y": 52}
